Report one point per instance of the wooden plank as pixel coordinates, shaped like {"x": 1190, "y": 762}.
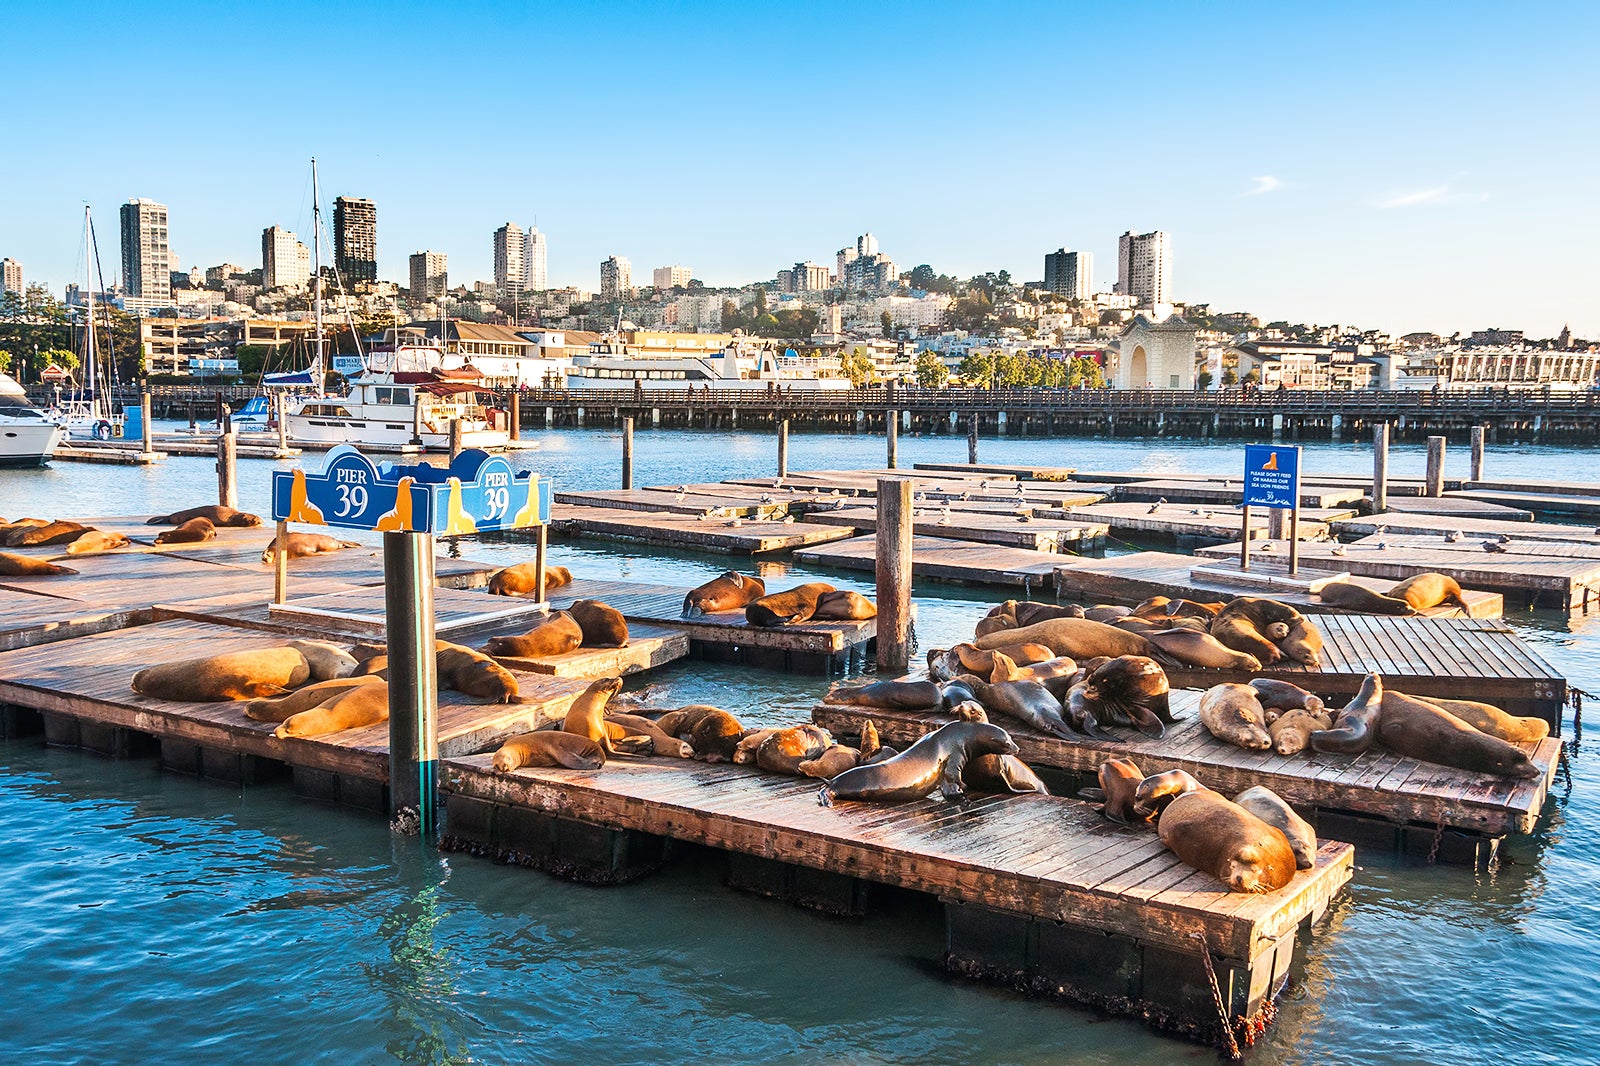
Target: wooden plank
{"x": 1480, "y": 529}
{"x": 1179, "y": 520}
{"x": 697, "y": 532}
{"x": 1588, "y": 506}
{"x": 27, "y": 619}
{"x": 1010, "y": 529}
{"x": 1227, "y": 491}
{"x": 937, "y": 559}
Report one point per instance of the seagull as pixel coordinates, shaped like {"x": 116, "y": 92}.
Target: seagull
{"x": 1338, "y": 549}
{"x": 1383, "y": 545}
{"x": 1493, "y": 546}
{"x": 1381, "y": 530}
{"x": 1154, "y": 507}
{"x": 1455, "y": 537}
{"x": 769, "y": 499}
{"x": 1597, "y": 531}
{"x": 944, "y": 521}
{"x": 680, "y": 494}
{"x": 788, "y": 519}
{"x": 1020, "y": 490}
{"x": 1194, "y": 510}
{"x": 735, "y": 523}
{"x": 1266, "y": 546}
{"x": 983, "y": 484}
{"x": 966, "y": 495}
{"x": 1026, "y": 516}
{"x": 1505, "y": 538}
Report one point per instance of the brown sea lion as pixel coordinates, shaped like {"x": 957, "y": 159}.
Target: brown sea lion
{"x": 843, "y": 606}
{"x": 239, "y": 675}
{"x": 831, "y": 763}
{"x": 1157, "y": 791}
{"x": 1234, "y": 714}
{"x": 1487, "y": 718}
{"x": 625, "y": 726}
{"x": 13, "y": 565}
{"x": 1129, "y": 690}
{"x": 300, "y": 545}
{"x": 1076, "y": 638}
{"x": 32, "y": 536}
{"x": 975, "y": 660}
{"x": 1429, "y": 590}
{"x": 1163, "y": 624}
{"x": 729, "y": 591}
{"x": 362, "y": 705}
{"x": 1167, "y": 607}
{"x": 1355, "y": 726}
{"x": 1291, "y": 730}
{"x": 1282, "y": 696}
{"x": 1302, "y": 643}
{"x": 1119, "y": 780}
{"x": 1272, "y": 809}
{"x": 194, "y": 531}
{"x": 744, "y": 753}
{"x": 970, "y": 711}
{"x": 549, "y": 747}
{"x": 1219, "y": 837}
{"x": 1409, "y": 726}
{"x": 1354, "y": 597}
{"x": 785, "y": 750}
{"x": 715, "y": 736}
{"x": 558, "y": 636}
{"x": 303, "y": 699}
{"x": 1025, "y": 701}
{"x": 869, "y": 739}
{"x": 781, "y": 608}
{"x": 475, "y": 674}
{"x": 998, "y": 623}
{"x": 521, "y": 579}
{"x": 216, "y": 514}
{"x": 1001, "y": 773}
{"x": 1027, "y": 612}
{"x": 1201, "y": 649}
{"x": 1058, "y": 674}
{"x": 681, "y": 722}
{"x": 97, "y": 540}
{"x": 934, "y": 762}
{"x": 895, "y": 695}
{"x": 587, "y": 718}
{"x": 603, "y": 625}
{"x": 1106, "y": 612}
{"x": 327, "y": 661}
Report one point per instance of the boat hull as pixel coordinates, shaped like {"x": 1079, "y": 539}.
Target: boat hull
{"x": 28, "y": 444}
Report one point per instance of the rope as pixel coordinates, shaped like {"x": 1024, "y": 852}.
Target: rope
{"x": 1232, "y": 1048}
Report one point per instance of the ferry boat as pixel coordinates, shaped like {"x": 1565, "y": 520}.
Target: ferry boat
{"x": 612, "y": 364}
{"x": 27, "y": 436}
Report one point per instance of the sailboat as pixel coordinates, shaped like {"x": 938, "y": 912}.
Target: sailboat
{"x": 89, "y": 411}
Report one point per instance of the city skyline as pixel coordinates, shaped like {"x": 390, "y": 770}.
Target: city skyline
{"x": 1408, "y": 193}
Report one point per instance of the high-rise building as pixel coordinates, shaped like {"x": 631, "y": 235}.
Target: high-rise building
{"x": 355, "y": 239}
{"x": 535, "y": 261}
{"x": 1069, "y": 274}
{"x": 509, "y": 247}
{"x": 671, "y": 277}
{"x": 429, "y": 278}
{"x": 146, "y": 256}
{"x": 10, "y": 276}
{"x": 616, "y": 277}
{"x": 866, "y": 245}
{"x": 844, "y": 257}
{"x": 805, "y": 277}
{"x": 1144, "y": 267}
{"x": 285, "y": 262}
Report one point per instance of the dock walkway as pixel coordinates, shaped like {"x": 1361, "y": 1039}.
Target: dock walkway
{"x": 695, "y": 532}
{"x": 938, "y": 559}
{"x": 1007, "y": 528}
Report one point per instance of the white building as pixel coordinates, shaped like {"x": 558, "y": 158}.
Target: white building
{"x": 535, "y": 261}
{"x": 670, "y": 277}
{"x": 1144, "y": 267}
{"x": 699, "y": 313}
{"x": 285, "y": 261}
{"x": 10, "y": 276}
{"x": 430, "y": 277}
{"x": 616, "y": 277}
{"x": 146, "y": 256}
{"x": 1156, "y": 355}
{"x": 509, "y": 251}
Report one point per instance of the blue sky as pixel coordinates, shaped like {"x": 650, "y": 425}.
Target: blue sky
{"x": 1410, "y": 166}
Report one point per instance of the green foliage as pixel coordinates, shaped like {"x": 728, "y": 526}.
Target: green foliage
{"x": 886, "y": 321}
{"x": 1230, "y": 376}
{"x": 66, "y": 360}
{"x": 1254, "y": 377}
{"x": 5, "y": 362}
{"x": 926, "y": 278}
{"x": 970, "y": 312}
{"x": 931, "y": 371}
{"x": 857, "y": 365}
{"x": 1202, "y": 380}
{"x": 1011, "y": 370}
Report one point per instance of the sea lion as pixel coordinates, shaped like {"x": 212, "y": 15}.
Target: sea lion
{"x": 587, "y": 716}
{"x": 715, "y": 736}
{"x": 299, "y": 545}
{"x": 1354, "y": 726}
{"x": 239, "y": 675}
{"x": 1302, "y": 643}
{"x": 781, "y": 608}
{"x": 1001, "y": 773}
{"x": 956, "y": 691}
{"x": 97, "y": 540}
{"x": 1167, "y": 607}
{"x": 1106, "y": 612}
{"x": 831, "y": 763}
{"x": 1162, "y": 624}
{"x": 1027, "y": 612}
{"x": 474, "y": 674}
{"x": 1282, "y": 696}
{"x": 303, "y": 699}
{"x": 549, "y": 747}
{"x": 194, "y": 531}
{"x": 327, "y": 661}
{"x": 623, "y": 726}
{"x": 1272, "y": 809}
{"x": 603, "y": 625}
{"x": 870, "y": 744}
{"x": 558, "y": 636}
{"x": 974, "y": 660}
{"x": 744, "y": 753}
{"x": 726, "y": 592}
{"x": 362, "y": 705}
{"x": 1058, "y": 674}
{"x": 996, "y": 623}
{"x": 1429, "y": 590}
{"x": 1354, "y": 597}
{"x": 1409, "y": 726}
{"x": 934, "y": 762}
{"x": 1189, "y": 648}
{"x": 1129, "y": 690}
{"x": 1026, "y": 701}
{"x": 1119, "y": 780}
{"x": 13, "y": 565}
{"x": 1489, "y": 719}
{"x": 1076, "y": 638}
{"x": 1157, "y": 791}
{"x": 522, "y": 578}
{"x": 843, "y": 606}
{"x": 1247, "y": 623}
{"x": 216, "y": 514}
{"x": 785, "y": 750}
{"x": 1219, "y": 837}
{"x": 1291, "y": 731}
{"x": 970, "y": 711}
{"x": 895, "y": 695}
{"x": 1233, "y": 713}
{"x": 34, "y": 536}
{"x": 681, "y": 722}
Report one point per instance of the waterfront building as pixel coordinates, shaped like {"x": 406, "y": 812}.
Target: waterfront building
{"x": 1289, "y": 364}
{"x": 202, "y": 345}
{"x": 535, "y": 261}
{"x": 1510, "y": 366}
{"x": 1155, "y": 354}
{"x": 355, "y": 239}
{"x": 146, "y": 256}
{"x": 285, "y": 261}
{"x": 1144, "y": 267}
{"x": 509, "y": 242}
{"x": 430, "y": 279}
{"x": 616, "y": 278}
{"x": 670, "y": 277}
{"x": 10, "y": 276}
{"x": 1494, "y": 337}
{"x": 1069, "y": 274}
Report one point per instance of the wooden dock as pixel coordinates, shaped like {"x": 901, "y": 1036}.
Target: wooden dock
{"x": 1587, "y": 506}
{"x": 1403, "y": 801}
{"x": 1190, "y": 523}
{"x": 1036, "y": 534}
{"x": 27, "y": 619}
{"x": 1476, "y": 529}
{"x": 728, "y": 536}
{"x": 1011, "y": 470}
{"x": 937, "y": 559}
{"x": 1472, "y": 546}
{"x": 702, "y": 500}
{"x": 1458, "y": 507}
{"x": 1037, "y": 889}
{"x": 1229, "y": 492}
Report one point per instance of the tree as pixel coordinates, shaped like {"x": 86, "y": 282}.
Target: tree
{"x": 857, "y": 365}
{"x": 970, "y": 312}
{"x": 5, "y": 362}
{"x": 1254, "y": 377}
{"x": 61, "y": 357}
{"x": 1230, "y": 376}
{"x": 976, "y": 369}
{"x": 1202, "y": 380}
{"x": 886, "y": 320}
{"x": 931, "y": 372}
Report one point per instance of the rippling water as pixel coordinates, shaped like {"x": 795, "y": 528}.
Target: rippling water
{"x": 150, "y": 915}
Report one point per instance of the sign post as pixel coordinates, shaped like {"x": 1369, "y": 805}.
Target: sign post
{"x": 410, "y": 505}
{"x": 1272, "y": 479}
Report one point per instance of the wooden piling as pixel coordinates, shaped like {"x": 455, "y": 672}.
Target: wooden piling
{"x": 1380, "y": 467}
{"x": 972, "y": 439}
{"x": 413, "y": 684}
{"x": 783, "y": 447}
{"x": 228, "y": 470}
{"x": 891, "y": 427}
{"x": 280, "y": 565}
{"x": 455, "y": 437}
{"x": 1477, "y": 453}
{"x": 514, "y": 416}
{"x": 627, "y": 454}
{"x": 1433, "y": 480}
{"x": 894, "y": 575}
{"x": 1277, "y": 523}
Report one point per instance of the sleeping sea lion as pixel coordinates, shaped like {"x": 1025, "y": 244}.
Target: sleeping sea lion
{"x": 362, "y": 705}
{"x": 1219, "y": 837}
{"x": 727, "y": 592}
{"x": 300, "y": 545}
{"x": 1026, "y": 701}
{"x": 37, "y": 536}
{"x": 97, "y": 540}
{"x": 603, "y": 625}
{"x": 937, "y": 761}
{"x": 216, "y": 514}
{"x": 1076, "y": 638}
{"x": 715, "y": 735}
{"x": 13, "y": 565}
{"x": 327, "y": 661}
{"x": 1291, "y": 730}
{"x": 1277, "y": 695}
{"x": 681, "y": 722}
{"x": 1027, "y": 612}
{"x": 786, "y": 749}
{"x": 587, "y": 718}
{"x": 1302, "y": 643}
{"x": 1429, "y": 590}
{"x": 1246, "y": 624}
{"x": 744, "y": 753}
{"x": 558, "y": 636}
{"x": 523, "y": 578}
{"x": 1409, "y": 726}
{"x": 832, "y": 762}
{"x": 974, "y": 660}
{"x": 1487, "y": 718}
{"x": 1271, "y": 808}
{"x": 781, "y": 608}
{"x": 1166, "y": 607}
{"x": 303, "y": 699}
{"x": 1106, "y": 612}
{"x": 1157, "y": 791}
{"x": 194, "y": 531}
{"x": 621, "y": 726}
{"x": 239, "y": 675}
{"x": 1189, "y": 648}
{"x": 549, "y": 747}
{"x": 1119, "y": 780}
{"x": 1129, "y": 690}
{"x": 474, "y": 674}
{"x": 843, "y": 606}
{"x": 1058, "y": 674}
{"x": 895, "y": 695}
{"x": 1355, "y": 725}
{"x": 1233, "y": 713}
{"x": 1354, "y": 597}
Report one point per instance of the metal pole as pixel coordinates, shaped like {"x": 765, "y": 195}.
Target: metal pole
{"x": 1244, "y": 540}
{"x": 783, "y": 448}
{"x": 514, "y": 415}
{"x": 144, "y": 420}
{"x": 1380, "y": 468}
{"x": 627, "y": 453}
{"x": 282, "y": 408}
{"x": 413, "y": 680}
{"x": 894, "y": 575}
{"x": 228, "y": 469}
{"x": 1477, "y": 453}
{"x": 280, "y": 565}
{"x": 1434, "y": 482}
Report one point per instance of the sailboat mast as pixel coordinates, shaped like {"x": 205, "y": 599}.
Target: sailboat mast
{"x": 88, "y": 291}
{"x": 316, "y": 269}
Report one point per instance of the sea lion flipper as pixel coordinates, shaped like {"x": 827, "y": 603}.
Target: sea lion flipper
{"x": 634, "y": 745}
{"x": 1147, "y": 723}
{"x": 1345, "y": 741}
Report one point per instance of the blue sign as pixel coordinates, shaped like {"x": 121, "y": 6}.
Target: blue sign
{"x": 475, "y": 493}
{"x": 1271, "y": 475}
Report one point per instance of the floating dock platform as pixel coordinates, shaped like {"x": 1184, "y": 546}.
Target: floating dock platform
{"x": 938, "y": 559}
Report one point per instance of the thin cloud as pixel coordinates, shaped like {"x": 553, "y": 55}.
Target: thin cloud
{"x": 1439, "y": 194}
{"x": 1264, "y": 184}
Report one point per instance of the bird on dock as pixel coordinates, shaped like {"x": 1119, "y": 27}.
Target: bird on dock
{"x": 1194, "y": 510}
{"x": 1339, "y": 549}
{"x": 734, "y": 523}
{"x": 788, "y": 519}
{"x": 1493, "y": 546}
{"x": 1505, "y": 538}
{"x": 983, "y": 484}
{"x": 943, "y": 521}
{"x": 1020, "y": 490}
{"x": 769, "y": 499}
{"x": 966, "y": 495}
{"x": 1383, "y": 545}
{"x": 1454, "y": 538}
{"x": 683, "y": 490}
{"x": 1025, "y": 516}
{"x": 1380, "y": 530}
{"x": 1266, "y": 546}
{"x": 1155, "y": 507}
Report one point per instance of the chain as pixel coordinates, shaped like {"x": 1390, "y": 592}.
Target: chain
{"x": 1216, "y": 997}
{"x": 1438, "y": 835}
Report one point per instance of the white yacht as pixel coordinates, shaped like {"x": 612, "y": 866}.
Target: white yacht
{"x": 27, "y": 437}
{"x": 394, "y": 406}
